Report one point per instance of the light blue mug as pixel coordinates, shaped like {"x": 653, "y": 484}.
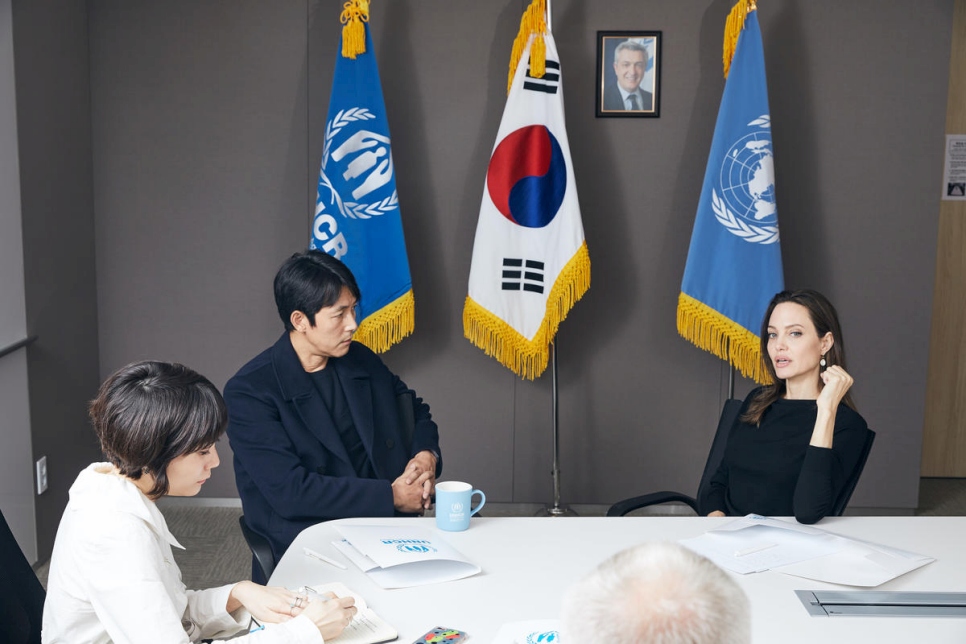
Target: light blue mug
{"x": 453, "y": 500}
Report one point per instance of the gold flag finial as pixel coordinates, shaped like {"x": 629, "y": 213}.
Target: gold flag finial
{"x": 733, "y": 27}
{"x": 354, "y": 14}
{"x": 534, "y": 21}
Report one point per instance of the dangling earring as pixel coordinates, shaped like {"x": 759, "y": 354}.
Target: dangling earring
{"x": 822, "y": 361}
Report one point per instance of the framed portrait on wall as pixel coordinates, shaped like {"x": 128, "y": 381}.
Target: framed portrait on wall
{"x": 629, "y": 73}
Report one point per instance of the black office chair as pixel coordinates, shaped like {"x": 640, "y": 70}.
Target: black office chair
{"x": 728, "y": 415}
{"x": 842, "y": 502}
{"x": 21, "y": 594}
{"x": 263, "y": 561}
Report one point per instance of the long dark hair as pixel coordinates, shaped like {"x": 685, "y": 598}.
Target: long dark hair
{"x": 825, "y": 319}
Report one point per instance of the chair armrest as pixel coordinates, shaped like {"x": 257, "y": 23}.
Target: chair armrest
{"x": 621, "y": 508}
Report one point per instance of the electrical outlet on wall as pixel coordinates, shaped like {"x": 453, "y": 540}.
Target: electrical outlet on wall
{"x": 41, "y": 475}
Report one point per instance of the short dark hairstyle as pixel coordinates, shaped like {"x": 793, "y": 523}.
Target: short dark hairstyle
{"x": 310, "y": 281}
{"x": 149, "y": 413}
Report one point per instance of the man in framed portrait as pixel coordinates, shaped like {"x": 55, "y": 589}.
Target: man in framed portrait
{"x": 630, "y": 63}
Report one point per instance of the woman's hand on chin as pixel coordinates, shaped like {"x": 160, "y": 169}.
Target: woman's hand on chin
{"x": 837, "y": 384}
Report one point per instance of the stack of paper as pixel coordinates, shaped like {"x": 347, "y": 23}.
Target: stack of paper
{"x": 398, "y": 557}
{"x": 756, "y": 543}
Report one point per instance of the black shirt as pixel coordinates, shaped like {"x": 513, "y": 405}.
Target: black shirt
{"x": 335, "y": 401}
{"x": 771, "y": 469}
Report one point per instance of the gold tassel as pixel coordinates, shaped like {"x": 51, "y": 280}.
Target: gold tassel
{"x": 388, "y": 325}
{"x": 529, "y": 358}
{"x": 354, "y": 14}
{"x": 534, "y": 21}
{"x": 733, "y": 27}
{"x": 707, "y": 329}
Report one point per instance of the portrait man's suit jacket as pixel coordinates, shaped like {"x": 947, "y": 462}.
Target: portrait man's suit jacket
{"x": 614, "y": 101}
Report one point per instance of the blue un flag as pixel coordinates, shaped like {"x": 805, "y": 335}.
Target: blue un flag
{"x": 734, "y": 264}
{"x": 357, "y": 215}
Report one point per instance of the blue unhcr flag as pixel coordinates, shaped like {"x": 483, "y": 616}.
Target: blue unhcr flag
{"x": 357, "y": 217}
{"x": 734, "y": 264}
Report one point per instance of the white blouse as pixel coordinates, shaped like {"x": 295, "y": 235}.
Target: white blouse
{"x": 113, "y": 577}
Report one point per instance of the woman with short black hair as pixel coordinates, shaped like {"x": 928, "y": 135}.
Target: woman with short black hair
{"x": 112, "y": 575}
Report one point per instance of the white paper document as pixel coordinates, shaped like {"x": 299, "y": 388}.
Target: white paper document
{"x": 545, "y": 631}
{"x": 399, "y": 557}
{"x": 755, "y": 543}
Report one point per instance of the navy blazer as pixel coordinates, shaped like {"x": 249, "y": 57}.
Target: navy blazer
{"x": 291, "y": 467}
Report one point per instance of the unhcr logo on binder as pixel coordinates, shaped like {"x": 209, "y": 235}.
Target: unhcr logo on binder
{"x": 408, "y": 547}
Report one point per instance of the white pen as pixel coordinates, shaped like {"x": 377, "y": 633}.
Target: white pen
{"x": 312, "y": 553}
{"x": 754, "y": 549}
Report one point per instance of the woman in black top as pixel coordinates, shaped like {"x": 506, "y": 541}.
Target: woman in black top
{"x": 796, "y": 440}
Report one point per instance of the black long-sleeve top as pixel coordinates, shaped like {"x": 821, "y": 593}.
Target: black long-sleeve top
{"x": 772, "y": 470}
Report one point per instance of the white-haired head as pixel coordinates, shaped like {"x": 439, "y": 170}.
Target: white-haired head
{"x": 658, "y": 593}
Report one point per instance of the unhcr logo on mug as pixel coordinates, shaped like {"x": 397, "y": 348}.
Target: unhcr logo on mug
{"x": 543, "y": 638}
{"x": 452, "y": 500}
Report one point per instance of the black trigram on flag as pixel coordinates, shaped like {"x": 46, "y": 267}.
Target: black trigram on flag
{"x": 549, "y": 82}
{"x": 522, "y": 274}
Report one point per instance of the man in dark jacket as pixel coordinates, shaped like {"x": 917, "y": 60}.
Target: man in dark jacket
{"x": 314, "y": 420}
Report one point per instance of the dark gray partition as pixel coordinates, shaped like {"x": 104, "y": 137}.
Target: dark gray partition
{"x": 57, "y": 204}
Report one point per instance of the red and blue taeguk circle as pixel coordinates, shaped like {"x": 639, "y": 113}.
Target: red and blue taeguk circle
{"x": 527, "y": 177}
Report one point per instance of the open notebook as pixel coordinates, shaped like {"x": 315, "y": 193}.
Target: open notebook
{"x": 366, "y": 627}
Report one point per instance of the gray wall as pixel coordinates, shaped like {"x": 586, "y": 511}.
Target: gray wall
{"x": 207, "y": 121}
{"x": 53, "y": 112}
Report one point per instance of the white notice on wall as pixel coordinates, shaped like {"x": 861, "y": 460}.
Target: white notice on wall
{"x": 954, "y": 185}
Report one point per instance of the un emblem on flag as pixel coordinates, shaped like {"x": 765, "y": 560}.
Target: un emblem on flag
{"x": 746, "y": 203}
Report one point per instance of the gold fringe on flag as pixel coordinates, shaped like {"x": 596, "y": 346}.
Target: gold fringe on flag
{"x": 707, "y": 329}
{"x": 354, "y": 14}
{"x": 534, "y": 21}
{"x": 388, "y": 325}
{"x": 733, "y": 27}
{"x": 528, "y": 358}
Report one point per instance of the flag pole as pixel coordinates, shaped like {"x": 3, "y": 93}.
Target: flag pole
{"x": 556, "y": 510}
{"x": 731, "y": 374}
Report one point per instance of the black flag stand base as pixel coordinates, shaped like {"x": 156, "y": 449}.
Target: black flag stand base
{"x": 556, "y": 510}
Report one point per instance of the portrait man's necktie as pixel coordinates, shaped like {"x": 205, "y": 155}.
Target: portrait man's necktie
{"x": 633, "y": 99}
